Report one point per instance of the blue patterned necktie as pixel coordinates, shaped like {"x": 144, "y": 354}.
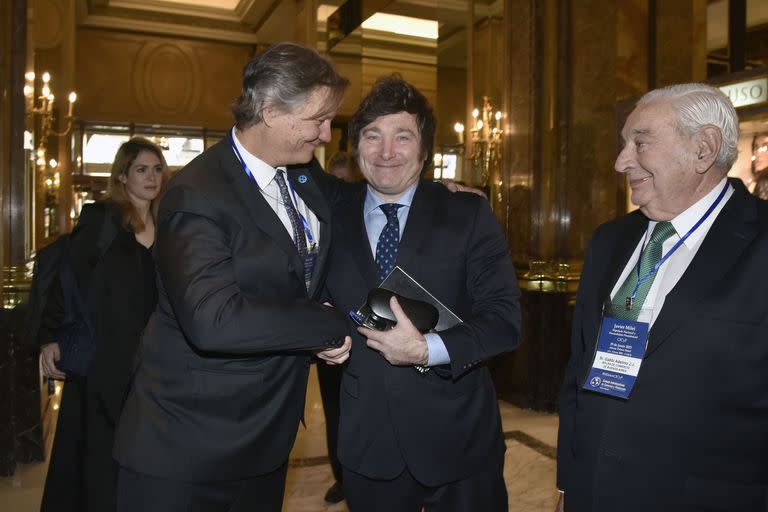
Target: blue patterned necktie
{"x": 386, "y": 247}
{"x": 650, "y": 257}
{"x": 296, "y": 225}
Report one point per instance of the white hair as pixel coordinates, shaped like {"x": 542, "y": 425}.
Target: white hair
{"x": 697, "y": 105}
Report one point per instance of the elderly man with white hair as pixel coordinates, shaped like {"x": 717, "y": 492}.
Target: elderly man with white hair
{"x": 664, "y": 406}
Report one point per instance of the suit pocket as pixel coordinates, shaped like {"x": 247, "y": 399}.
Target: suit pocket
{"x": 227, "y": 382}
{"x": 349, "y": 384}
{"x": 232, "y": 395}
{"x": 441, "y": 387}
{"x": 706, "y": 494}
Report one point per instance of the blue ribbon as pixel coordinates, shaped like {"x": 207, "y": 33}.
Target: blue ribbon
{"x": 304, "y": 222}
{"x": 680, "y": 242}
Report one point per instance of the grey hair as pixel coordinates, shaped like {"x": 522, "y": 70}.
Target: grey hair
{"x": 697, "y": 105}
{"x": 283, "y": 76}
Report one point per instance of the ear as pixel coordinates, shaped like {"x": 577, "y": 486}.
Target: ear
{"x": 708, "y": 140}
{"x": 122, "y": 179}
{"x": 269, "y": 114}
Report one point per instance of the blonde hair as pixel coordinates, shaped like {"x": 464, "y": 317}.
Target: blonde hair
{"x": 116, "y": 192}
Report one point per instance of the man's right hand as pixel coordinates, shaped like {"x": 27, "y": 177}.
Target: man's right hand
{"x": 334, "y": 356}
{"x": 49, "y": 354}
{"x": 560, "y": 507}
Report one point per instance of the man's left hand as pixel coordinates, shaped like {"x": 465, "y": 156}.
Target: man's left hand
{"x": 402, "y": 346}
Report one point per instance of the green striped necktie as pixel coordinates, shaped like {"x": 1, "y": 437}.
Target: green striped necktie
{"x": 648, "y": 259}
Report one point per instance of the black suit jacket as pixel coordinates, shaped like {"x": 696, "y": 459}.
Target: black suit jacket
{"x": 694, "y": 433}
{"x": 222, "y": 375}
{"x": 443, "y": 428}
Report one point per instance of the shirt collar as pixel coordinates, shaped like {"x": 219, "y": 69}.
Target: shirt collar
{"x": 686, "y": 220}
{"x": 374, "y": 200}
{"x": 261, "y": 171}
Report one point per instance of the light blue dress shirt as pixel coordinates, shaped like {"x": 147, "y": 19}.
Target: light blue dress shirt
{"x": 375, "y": 220}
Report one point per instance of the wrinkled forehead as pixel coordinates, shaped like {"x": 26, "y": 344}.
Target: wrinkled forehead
{"x": 322, "y": 102}
{"x": 649, "y": 118}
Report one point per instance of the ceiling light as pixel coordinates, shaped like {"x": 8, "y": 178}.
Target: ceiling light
{"x": 404, "y": 25}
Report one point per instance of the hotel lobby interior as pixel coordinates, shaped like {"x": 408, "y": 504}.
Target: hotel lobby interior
{"x": 529, "y": 95}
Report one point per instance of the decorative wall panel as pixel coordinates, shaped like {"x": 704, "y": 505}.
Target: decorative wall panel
{"x": 123, "y": 77}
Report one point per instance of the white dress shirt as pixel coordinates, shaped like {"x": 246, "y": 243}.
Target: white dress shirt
{"x": 672, "y": 270}
{"x": 265, "y": 178}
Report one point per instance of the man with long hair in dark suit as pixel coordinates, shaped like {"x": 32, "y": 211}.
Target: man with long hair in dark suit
{"x": 420, "y": 424}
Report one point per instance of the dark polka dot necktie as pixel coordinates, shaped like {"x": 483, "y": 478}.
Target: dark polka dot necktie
{"x": 386, "y": 248}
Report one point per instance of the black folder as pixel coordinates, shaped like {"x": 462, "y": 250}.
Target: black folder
{"x": 399, "y": 282}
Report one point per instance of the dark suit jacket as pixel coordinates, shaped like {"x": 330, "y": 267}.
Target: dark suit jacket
{"x": 220, "y": 385}
{"x": 443, "y": 428}
{"x": 694, "y": 433}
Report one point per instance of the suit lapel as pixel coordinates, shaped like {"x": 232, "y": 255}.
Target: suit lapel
{"x": 417, "y": 229}
{"x": 731, "y": 233}
{"x": 625, "y": 246}
{"x": 262, "y": 215}
{"x": 356, "y": 237}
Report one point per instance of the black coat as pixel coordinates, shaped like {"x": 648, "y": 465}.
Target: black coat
{"x": 120, "y": 293}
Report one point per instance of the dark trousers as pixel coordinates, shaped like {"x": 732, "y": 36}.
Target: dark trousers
{"x": 82, "y": 475}
{"x": 484, "y": 491}
{"x": 329, "y": 377}
{"x": 138, "y": 491}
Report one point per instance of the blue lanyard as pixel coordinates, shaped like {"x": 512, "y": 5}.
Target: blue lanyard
{"x": 304, "y": 222}
{"x": 641, "y": 280}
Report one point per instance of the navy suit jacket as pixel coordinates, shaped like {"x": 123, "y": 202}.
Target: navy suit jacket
{"x": 444, "y": 426}
{"x": 694, "y": 433}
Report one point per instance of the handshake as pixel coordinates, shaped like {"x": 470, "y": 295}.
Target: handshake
{"x": 377, "y": 314}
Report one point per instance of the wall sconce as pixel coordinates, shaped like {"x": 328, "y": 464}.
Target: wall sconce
{"x": 486, "y": 141}
{"x": 44, "y": 109}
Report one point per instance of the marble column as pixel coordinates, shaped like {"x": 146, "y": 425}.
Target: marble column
{"x": 558, "y": 184}
{"x": 680, "y": 42}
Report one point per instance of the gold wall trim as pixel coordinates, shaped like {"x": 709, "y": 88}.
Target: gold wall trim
{"x": 164, "y": 28}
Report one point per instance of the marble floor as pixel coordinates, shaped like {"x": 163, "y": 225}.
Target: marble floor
{"x": 529, "y": 469}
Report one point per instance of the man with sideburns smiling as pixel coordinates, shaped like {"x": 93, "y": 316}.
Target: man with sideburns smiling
{"x": 420, "y": 424}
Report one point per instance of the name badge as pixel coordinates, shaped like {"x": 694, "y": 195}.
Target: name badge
{"x": 618, "y": 355}
{"x": 309, "y": 264}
